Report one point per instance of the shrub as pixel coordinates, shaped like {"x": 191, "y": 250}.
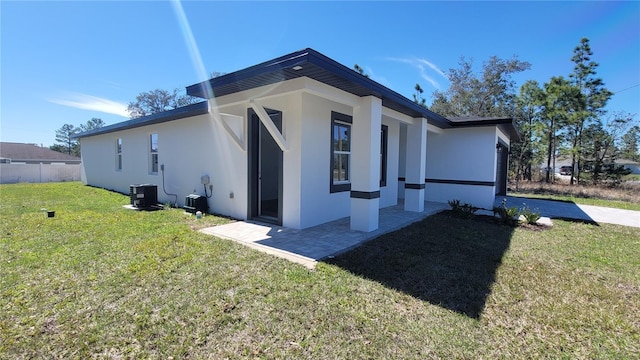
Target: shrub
{"x": 462, "y": 210}
{"x": 531, "y": 217}
{"x": 454, "y": 204}
{"x": 508, "y": 215}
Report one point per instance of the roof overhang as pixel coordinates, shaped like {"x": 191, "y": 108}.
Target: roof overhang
{"x": 200, "y": 108}
{"x": 505, "y": 124}
{"x": 310, "y": 64}
{"x": 314, "y": 65}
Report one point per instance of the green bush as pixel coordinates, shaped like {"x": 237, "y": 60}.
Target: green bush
{"x": 462, "y": 210}
{"x": 508, "y": 215}
{"x": 532, "y": 217}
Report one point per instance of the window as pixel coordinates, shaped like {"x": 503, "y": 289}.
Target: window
{"x": 119, "y": 154}
{"x": 340, "y": 152}
{"x": 383, "y": 154}
{"x": 153, "y": 153}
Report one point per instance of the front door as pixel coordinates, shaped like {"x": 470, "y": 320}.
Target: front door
{"x": 265, "y": 170}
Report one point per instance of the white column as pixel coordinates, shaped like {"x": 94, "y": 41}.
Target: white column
{"x": 416, "y": 165}
{"x": 365, "y": 164}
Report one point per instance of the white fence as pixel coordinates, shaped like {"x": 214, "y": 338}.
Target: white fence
{"x": 38, "y": 173}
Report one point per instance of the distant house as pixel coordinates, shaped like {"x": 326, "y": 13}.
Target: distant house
{"x": 562, "y": 161}
{"x": 19, "y": 153}
{"x": 629, "y": 164}
{"x": 34, "y": 164}
{"x": 302, "y": 140}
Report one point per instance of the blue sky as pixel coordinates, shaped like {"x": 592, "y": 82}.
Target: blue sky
{"x": 67, "y": 62}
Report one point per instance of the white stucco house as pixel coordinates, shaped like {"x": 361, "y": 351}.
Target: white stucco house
{"x": 301, "y": 140}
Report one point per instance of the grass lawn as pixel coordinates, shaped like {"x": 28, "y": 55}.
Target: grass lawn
{"x": 99, "y": 281}
{"x": 624, "y": 196}
{"x": 631, "y": 177}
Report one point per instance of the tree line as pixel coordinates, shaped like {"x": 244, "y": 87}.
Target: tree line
{"x": 64, "y": 136}
{"x": 146, "y": 103}
{"x": 565, "y": 116}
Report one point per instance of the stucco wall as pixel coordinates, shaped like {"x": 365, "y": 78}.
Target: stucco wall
{"x": 504, "y": 138}
{"x": 196, "y": 146}
{"x": 464, "y": 154}
{"x": 188, "y": 148}
{"x": 317, "y": 204}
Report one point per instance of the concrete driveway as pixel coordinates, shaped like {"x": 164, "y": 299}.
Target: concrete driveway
{"x": 570, "y": 210}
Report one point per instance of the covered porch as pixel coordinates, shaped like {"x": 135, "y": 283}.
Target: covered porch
{"x": 310, "y": 245}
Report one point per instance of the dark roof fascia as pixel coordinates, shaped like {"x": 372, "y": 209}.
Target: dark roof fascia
{"x": 479, "y": 121}
{"x": 203, "y": 89}
{"x": 506, "y": 124}
{"x": 200, "y": 108}
{"x": 351, "y": 75}
{"x": 310, "y": 56}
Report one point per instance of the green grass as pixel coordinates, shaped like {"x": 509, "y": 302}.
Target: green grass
{"x": 631, "y": 177}
{"x": 99, "y": 281}
{"x": 581, "y": 200}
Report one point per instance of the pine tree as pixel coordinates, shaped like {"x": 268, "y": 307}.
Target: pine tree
{"x": 590, "y": 102}
{"x": 64, "y": 136}
{"x": 417, "y": 97}
{"x": 528, "y": 110}
{"x": 630, "y": 148}
{"x": 559, "y": 101}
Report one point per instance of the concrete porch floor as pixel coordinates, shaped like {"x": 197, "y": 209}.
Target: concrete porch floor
{"x": 308, "y": 246}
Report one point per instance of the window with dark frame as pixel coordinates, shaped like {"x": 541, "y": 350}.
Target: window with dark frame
{"x": 340, "y": 152}
{"x": 119, "y": 154}
{"x": 153, "y": 153}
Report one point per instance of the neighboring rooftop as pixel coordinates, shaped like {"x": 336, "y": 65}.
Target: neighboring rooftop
{"x": 626, "y": 162}
{"x": 20, "y": 152}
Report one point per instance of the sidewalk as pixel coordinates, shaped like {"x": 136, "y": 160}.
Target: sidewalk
{"x": 570, "y": 210}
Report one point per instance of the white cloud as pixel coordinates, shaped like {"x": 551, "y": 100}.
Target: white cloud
{"x": 425, "y": 73}
{"x": 433, "y": 67}
{"x": 381, "y": 79}
{"x": 90, "y": 102}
